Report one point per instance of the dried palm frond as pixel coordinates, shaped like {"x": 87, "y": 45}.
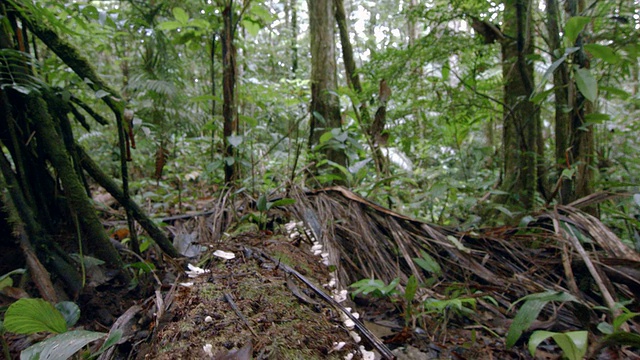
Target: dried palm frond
{"x": 365, "y": 240}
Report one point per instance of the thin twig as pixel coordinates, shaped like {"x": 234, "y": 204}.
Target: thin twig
{"x": 229, "y": 299}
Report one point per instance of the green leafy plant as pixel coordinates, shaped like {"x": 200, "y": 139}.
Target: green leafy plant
{"x": 530, "y": 310}
{"x": 6, "y": 280}
{"x": 615, "y": 335}
{"x": 263, "y": 206}
{"x": 574, "y": 344}
{"x": 375, "y": 287}
{"x": 29, "y": 316}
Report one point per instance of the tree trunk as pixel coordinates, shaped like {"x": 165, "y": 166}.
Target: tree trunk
{"x": 229, "y": 109}
{"x": 520, "y": 115}
{"x": 75, "y": 194}
{"x": 561, "y": 82}
{"x": 582, "y": 138}
{"x": 294, "y": 38}
{"x": 325, "y": 106}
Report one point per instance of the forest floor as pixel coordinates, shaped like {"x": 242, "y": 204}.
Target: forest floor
{"x": 258, "y": 286}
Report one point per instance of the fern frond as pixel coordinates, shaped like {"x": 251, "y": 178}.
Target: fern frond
{"x": 15, "y": 72}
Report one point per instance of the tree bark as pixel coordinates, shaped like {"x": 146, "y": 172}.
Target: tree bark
{"x": 561, "y": 83}
{"x": 520, "y": 115}
{"x": 582, "y": 138}
{"x": 75, "y": 194}
{"x": 229, "y": 107}
{"x": 325, "y": 106}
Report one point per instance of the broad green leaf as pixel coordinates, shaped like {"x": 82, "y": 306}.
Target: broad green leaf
{"x": 61, "y": 346}
{"x": 5, "y": 279}
{"x": 319, "y": 117}
{"x": 555, "y": 64}
{"x": 261, "y": 205}
{"x": 70, "y": 312}
{"x": 523, "y": 320}
{"x": 529, "y": 312}
{"x": 445, "y": 73}
{"x": 428, "y": 263}
{"x": 169, "y": 25}
{"x": 573, "y": 28}
{"x": 29, "y": 316}
{"x": 587, "y": 84}
{"x": 263, "y": 13}
{"x": 339, "y": 135}
{"x": 605, "y": 328}
{"x": 603, "y": 52}
{"x": 180, "y": 15}
{"x": 573, "y": 343}
{"x": 524, "y": 222}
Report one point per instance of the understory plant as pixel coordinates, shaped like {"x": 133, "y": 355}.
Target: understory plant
{"x": 30, "y": 316}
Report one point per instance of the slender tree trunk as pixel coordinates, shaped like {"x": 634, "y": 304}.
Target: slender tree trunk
{"x": 294, "y": 38}
{"x": 212, "y": 69}
{"x": 325, "y": 106}
{"x": 561, "y": 82}
{"x": 520, "y": 115}
{"x": 229, "y": 109}
{"x": 582, "y": 137}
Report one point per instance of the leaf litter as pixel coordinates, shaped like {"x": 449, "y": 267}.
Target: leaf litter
{"x": 464, "y": 305}
{"x": 275, "y": 297}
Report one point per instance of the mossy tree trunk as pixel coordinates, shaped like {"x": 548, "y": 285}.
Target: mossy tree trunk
{"x": 41, "y": 163}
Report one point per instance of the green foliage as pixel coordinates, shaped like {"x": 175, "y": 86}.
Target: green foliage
{"x": 574, "y": 26}
{"x": 586, "y": 83}
{"x": 375, "y": 287}
{"x": 428, "y": 263}
{"x": 61, "y": 346}
{"x": 28, "y": 316}
{"x": 529, "y": 311}
{"x": 6, "y": 280}
{"x": 574, "y": 344}
{"x": 70, "y": 312}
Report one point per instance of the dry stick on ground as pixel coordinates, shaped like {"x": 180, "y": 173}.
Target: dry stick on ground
{"x": 374, "y": 341}
{"x": 233, "y": 305}
{"x": 609, "y": 301}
